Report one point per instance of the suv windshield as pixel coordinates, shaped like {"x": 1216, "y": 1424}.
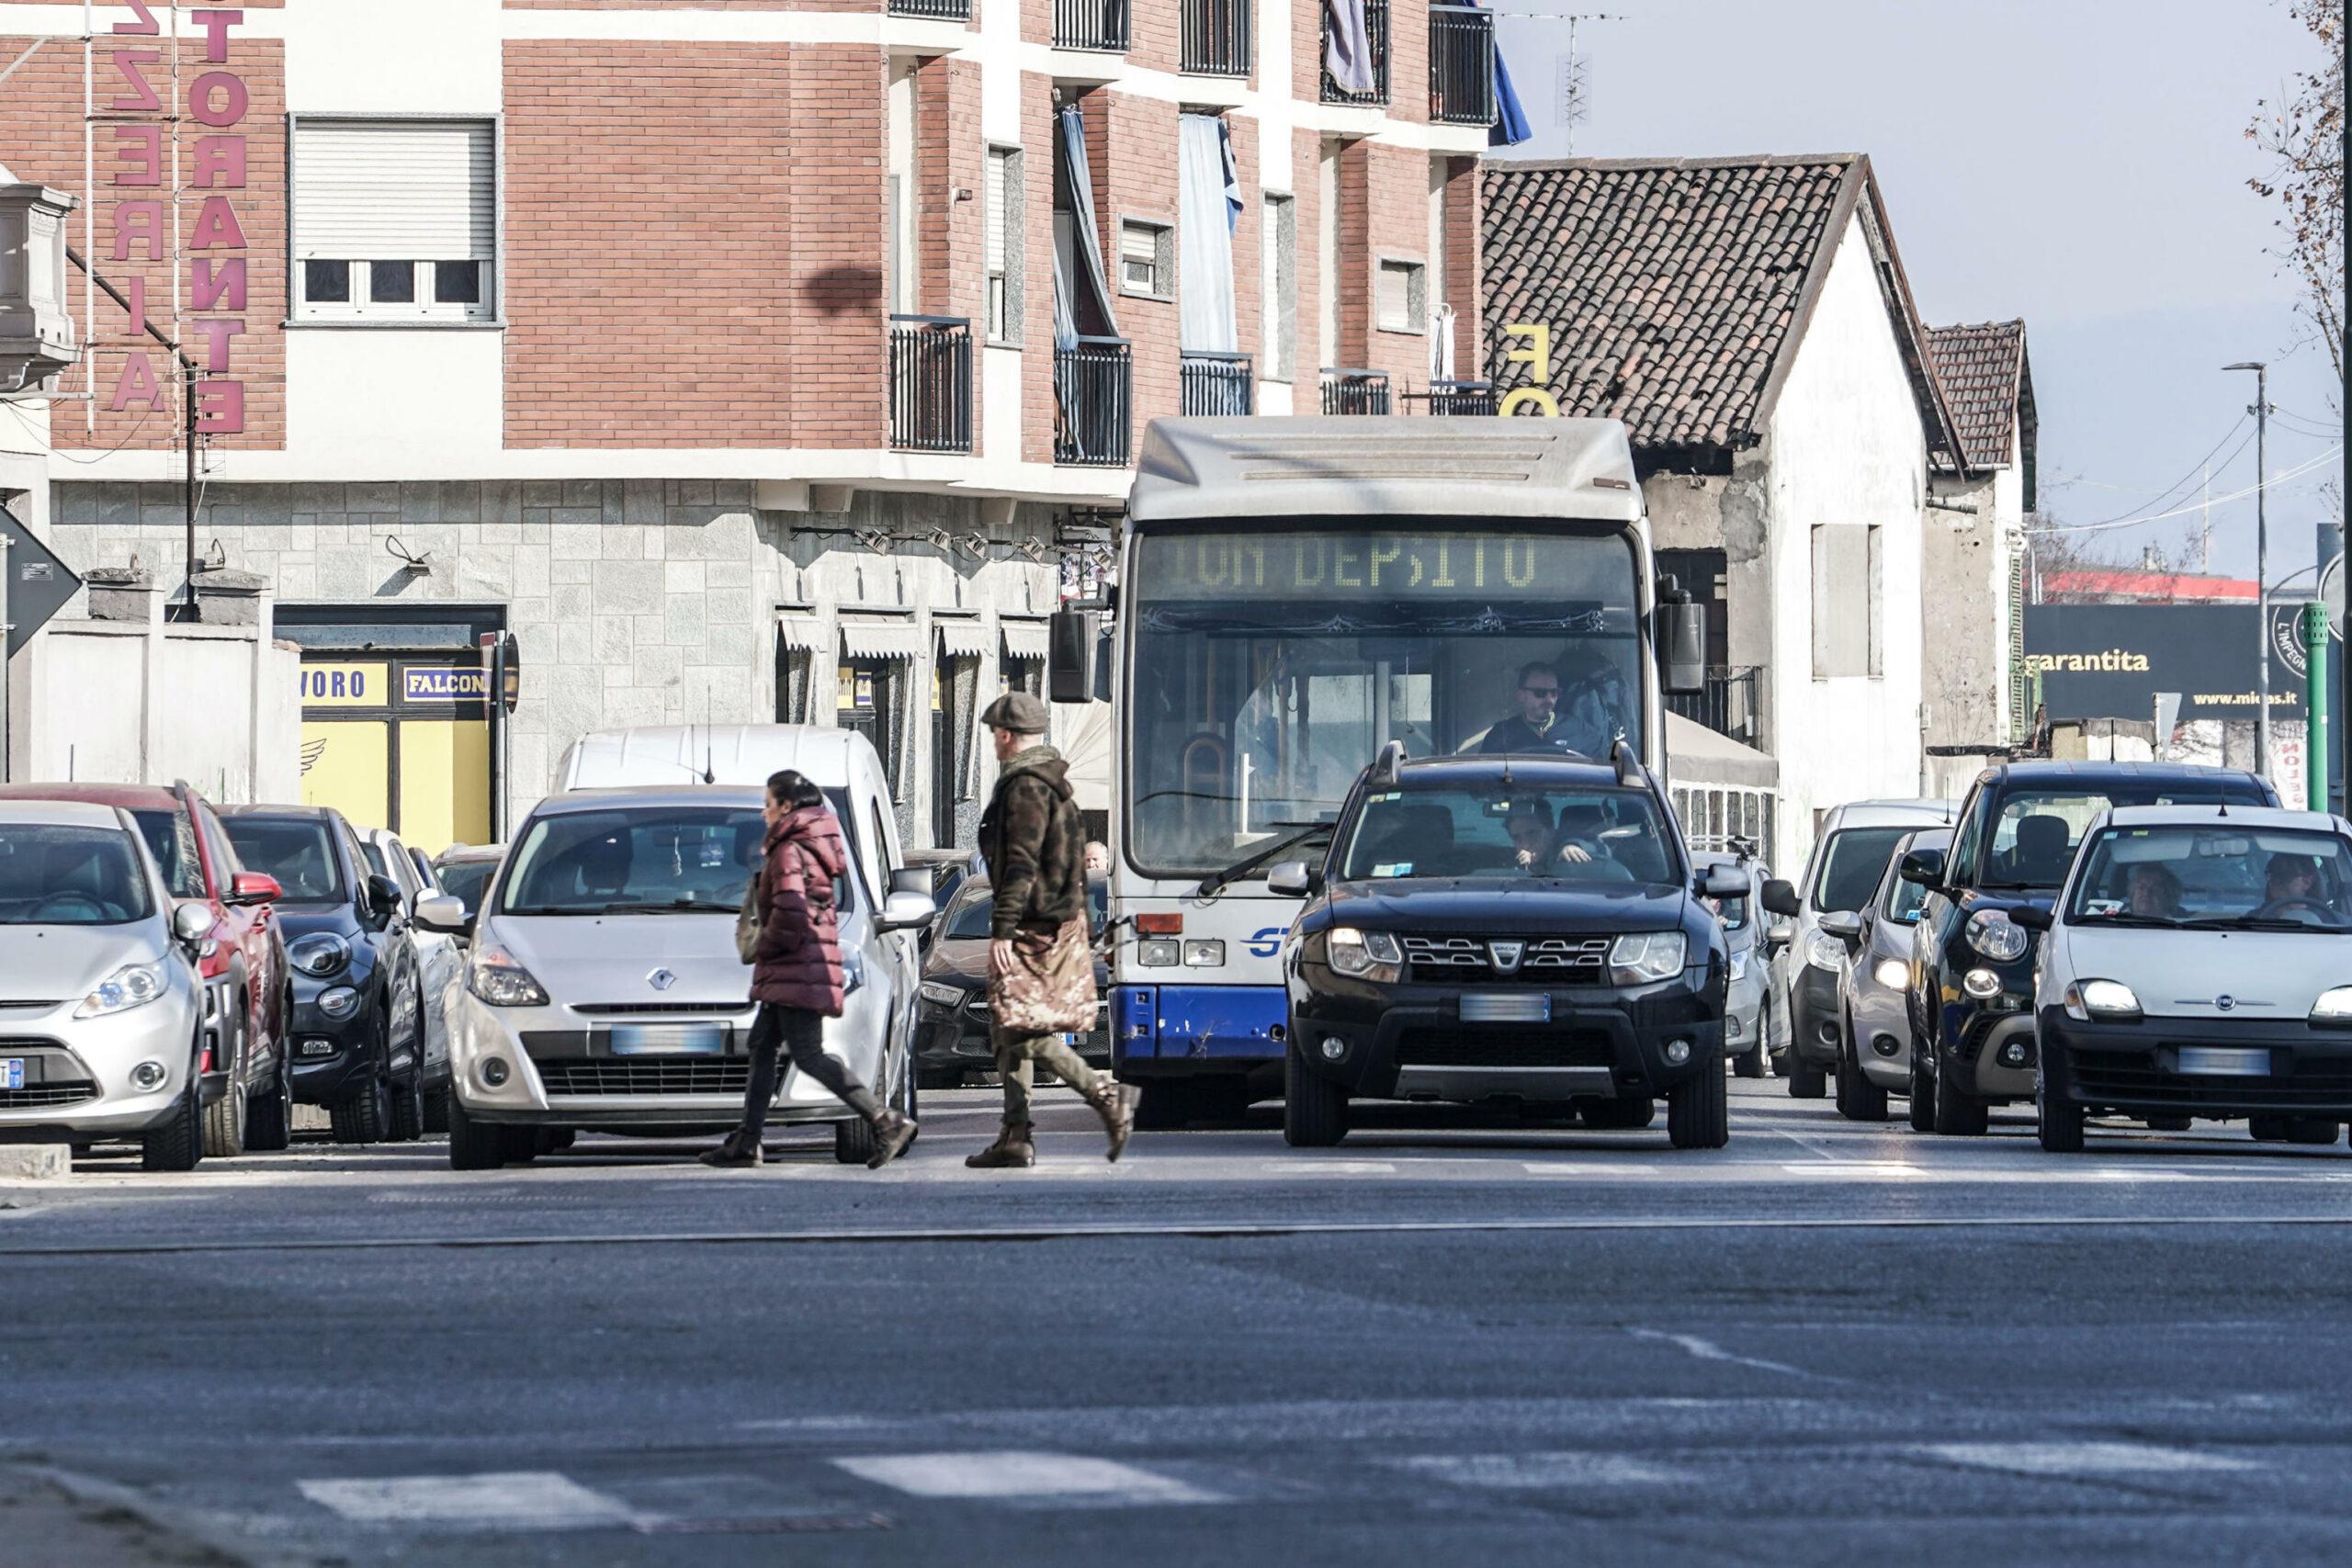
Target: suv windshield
{"x": 1852, "y": 864}
{"x": 70, "y": 876}
{"x": 2211, "y": 873}
{"x": 297, "y": 850}
{"x": 2037, "y": 832}
{"x": 1565, "y": 833}
{"x": 171, "y": 839}
{"x": 639, "y": 859}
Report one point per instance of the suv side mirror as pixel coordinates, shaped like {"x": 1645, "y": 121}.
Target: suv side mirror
{"x": 1843, "y": 924}
{"x": 254, "y": 887}
{"x": 1779, "y": 896}
{"x": 191, "y": 925}
{"x": 917, "y": 879}
{"x": 445, "y": 914}
{"x": 2032, "y": 916}
{"x": 383, "y": 899}
{"x": 1722, "y": 882}
{"x": 903, "y": 912}
{"x": 1291, "y": 879}
{"x": 1923, "y": 867}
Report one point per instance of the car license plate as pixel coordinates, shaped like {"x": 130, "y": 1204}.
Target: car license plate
{"x": 1505, "y": 1007}
{"x": 2218, "y": 1062}
{"x": 12, "y": 1072}
{"x": 669, "y": 1039}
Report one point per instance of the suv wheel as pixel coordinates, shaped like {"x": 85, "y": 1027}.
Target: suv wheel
{"x": 1805, "y": 1080}
{"x": 1923, "y": 1090}
{"x": 269, "y": 1121}
{"x": 364, "y": 1117}
{"x": 1858, "y": 1100}
{"x": 178, "y": 1143}
{"x": 473, "y": 1146}
{"x": 224, "y": 1118}
{"x": 1315, "y": 1109}
{"x": 1698, "y": 1113}
{"x": 1956, "y": 1114}
{"x": 2061, "y": 1124}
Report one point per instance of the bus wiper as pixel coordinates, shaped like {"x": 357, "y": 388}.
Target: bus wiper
{"x": 1217, "y": 882}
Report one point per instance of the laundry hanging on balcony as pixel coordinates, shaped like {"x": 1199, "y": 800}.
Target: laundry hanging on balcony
{"x": 1081, "y": 289}
{"x": 1347, "y": 46}
{"x": 1210, "y": 205}
{"x": 1510, "y": 126}
{"x": 1441, "y": 345}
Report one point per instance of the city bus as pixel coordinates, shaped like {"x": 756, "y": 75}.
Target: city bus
{"x": 1294, "y": 595}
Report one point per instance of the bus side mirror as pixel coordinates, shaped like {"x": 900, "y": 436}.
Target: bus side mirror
{"x": 1070, "y": 644}
{"x": 1681, "y": 644}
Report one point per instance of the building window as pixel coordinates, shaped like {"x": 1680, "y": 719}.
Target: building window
{"x": 1847, "y": 576}
{"x": 1402, "y": 296}
{"x": 1281, "y": 326}
{"x": 1004, "y": 258}
{"x": 395, "y": 221}
{"x": 1146, "y": 258}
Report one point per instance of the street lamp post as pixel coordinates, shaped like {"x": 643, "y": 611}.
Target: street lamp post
{"x": 2261, "y": 411}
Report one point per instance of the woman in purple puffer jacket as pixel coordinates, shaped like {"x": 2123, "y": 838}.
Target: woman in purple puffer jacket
{"x": 796, "y": 970}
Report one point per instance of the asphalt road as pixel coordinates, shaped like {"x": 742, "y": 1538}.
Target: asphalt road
{"x": 1477, "y": 1342}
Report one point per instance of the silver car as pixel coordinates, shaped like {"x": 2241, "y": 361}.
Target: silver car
{"x": 108, "y": 1025}
{"x": 1874, "y": 985}
{"x": 603, "y": 991}
{"x": 440, "y": 962}
{"x": 1748, "y": 1004}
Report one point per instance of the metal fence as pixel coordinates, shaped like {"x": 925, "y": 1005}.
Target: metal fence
{"x": 1462, "y": 397}
{"x": 1216, "y": 37}
{"x": 942, "y": 10}
{"x": 1728, "y": 705}
{"x": 1092, "y": 386}
{"x": 1090, "y": 24}
{"x": 1462, "y": 65}
{"x": 1217, "y": 383}
{"x": 1355, "y": 391}
{"x": 931, "y": 383}
{"x": 1375, "y": 32}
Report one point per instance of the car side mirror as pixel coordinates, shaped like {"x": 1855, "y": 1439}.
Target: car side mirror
{"x": 1779, "y": 896}
{"x": 2033, "y": 916}
{"x": 916, "y": 879}
{"x": 903, "y": 912}
{"x": 191, "y": 925}
{"x": 1843, "y": 924}
{"x": 1291, "y": 879}
{"x": 442, "y": 913}
{"x": 1923, "y": 868}
{"x": 1722, "y": 882}
{"x": 383, "y": 899}
{"x": 254, "y": 887}
{"x": 1779, "y": 934}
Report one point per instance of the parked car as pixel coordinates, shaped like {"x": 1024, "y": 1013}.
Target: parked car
{"x": 2198, "y": 964}
{"x": 949, "y": 870}
{"x": 1747, "y": 1002}
{"x": 358, "y": 1006}
{"x": 109, "y": 1024}
{"x": 954, "y": 1033}
{"x": 604, "y": 991}
{"x": 1874, "y": 985}
{"x": 463, "y": 871}
{"x": 1972, "y": 976}
{"x": 440, "y": 962}
{"x": 243, "y": 955}
{"x": 1850, "y": 852}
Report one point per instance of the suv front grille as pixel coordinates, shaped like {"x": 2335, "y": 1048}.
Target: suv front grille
{"x": 1472, "y": 1047}
{"x": 645, "y": 1074}
{"x": 2127, "y": 1075}
{"x": 1549, "y": 961}
{"x": 72, "y": 1091}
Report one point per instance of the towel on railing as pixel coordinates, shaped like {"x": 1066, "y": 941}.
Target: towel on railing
{"x": 1347, "y": 46}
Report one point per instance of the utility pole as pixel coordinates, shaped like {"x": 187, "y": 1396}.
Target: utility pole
{"x": 2261, "y": 411}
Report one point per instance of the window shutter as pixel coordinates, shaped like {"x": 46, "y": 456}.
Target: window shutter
{"x": 1139, "y": 244}
{"x": 394, "y": 191}
{"x": 1395, "y": 303}
{"x": 999, "y": 198}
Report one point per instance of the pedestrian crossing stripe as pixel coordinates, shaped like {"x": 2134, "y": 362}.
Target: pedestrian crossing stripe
{"x": 1022, "y": 1474}
{"x": 510, "y": 1500}
{"x": 2081, "y": 1458}
{"x": 1538, "y": 1472}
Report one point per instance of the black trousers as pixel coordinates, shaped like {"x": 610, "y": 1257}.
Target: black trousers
{"x": 801, "y": 1035}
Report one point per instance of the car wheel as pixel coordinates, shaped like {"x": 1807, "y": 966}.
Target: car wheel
{"x": 269, "y": 1121}
{"x": 364, "y": 1117}
{"x": 852, "y": 1141}
{"x": 1958, "y": 1114}
{"x": 2269, "y": 1129}
{"x": 1315, "y": 1109}
{"x": 1923, "y": 1091}
{"x": 1858, "y": 1100}
{"x": 2315, "y": 1131}
{"x": 2166, "y": 1124}
{"x": 1698, "y": 1113}
{"x": 178, "y": 1143}
{"x": 907, "y": 1102}
{"x": 407, "y": 1111}
{"x": 1627, "y": 1113}
{"x": 473, "y": 1146}
{"x": 1805, "y": 1080}
{"x": 437, "y": 1109}
{"x": 225, "y": 1117}
{"x": 1750, "y": 1064}
{"x": 2060, "y": 1126}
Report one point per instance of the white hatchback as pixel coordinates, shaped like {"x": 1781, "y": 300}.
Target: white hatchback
{"x": 2198, "y": 965}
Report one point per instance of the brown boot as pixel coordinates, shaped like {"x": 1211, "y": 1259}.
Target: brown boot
{"x": 1115, "y": 1103}
{"x": 1011, "y": 1151}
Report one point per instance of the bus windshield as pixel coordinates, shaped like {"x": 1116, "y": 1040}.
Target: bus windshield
{"x": 1270, "y": 666}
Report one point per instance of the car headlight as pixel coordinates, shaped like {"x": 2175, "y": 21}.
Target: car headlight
{"x": 946, "y": 995}
{"x": 132, "y": 986}
{"x": 1643, "y": 957}
{"x": 319, "y": 954}
{"x": 495, "y": 978}
{"x": 1824, "y": 951}
{"x": 1739, "y": 966}
{"x": 1981, "y": 984}
{"x": 1891, "y": 975}
{"x": 1997, "y": 937}
{"x": 2102, "y": 998}
{"x": 339, "y": 1003}
{"x": 2333, "y": 1007}
{"x": 1367, "y": 956}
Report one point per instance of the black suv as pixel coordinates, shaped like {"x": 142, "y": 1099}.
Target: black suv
{"x": 1972, "y": 999}
{"x": 1512, "y": 930}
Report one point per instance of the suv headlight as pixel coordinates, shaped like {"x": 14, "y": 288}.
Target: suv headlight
{"x": 1824, "y": 951}
{"x": 2333, "y": 1007}
{"x": 496, "y": 978}
{"x": 2103, "y": 999}
{"x": 1367, "y": 956}
{"x": 1997, "y": 937}
{"x": 132, "y": 986}
{"x": 319, "y": 954}
{"x": 1646, "y": 957}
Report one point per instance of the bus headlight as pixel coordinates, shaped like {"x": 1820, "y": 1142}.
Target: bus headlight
{"x": 1365, "y": 955}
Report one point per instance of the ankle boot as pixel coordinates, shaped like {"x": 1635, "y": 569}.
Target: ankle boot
{"x": 738, "y": 1150}
{"x": 892, "y": 1132}
{"x": 1115, "y": 1103}
{"x": 1011, "y": 1151}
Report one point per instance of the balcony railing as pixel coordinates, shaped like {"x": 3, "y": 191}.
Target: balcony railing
{"x": 1728, "y": 705}
{"x": 1462, "y": 65}
{"x": 1355, "y": 391}
{"x": 936, "y": 10}
{"x": 931, "y": 383}
{"x": 1090, "y": 24}
{"x": 1216, "y": 37}
{"x": 1375, "y": 32}
{"x": 1091, "y": 385}
{"x": 1462, "y": 397}
{"x": 1217, "y": 383}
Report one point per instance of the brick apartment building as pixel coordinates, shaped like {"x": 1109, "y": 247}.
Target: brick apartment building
{"x": 746, "y": 359}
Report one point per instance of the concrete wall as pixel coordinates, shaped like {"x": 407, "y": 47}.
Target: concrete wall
{"x": 1965, "y": 614}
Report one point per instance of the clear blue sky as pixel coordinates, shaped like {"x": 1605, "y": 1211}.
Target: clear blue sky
{"x": 2078, "y": 163}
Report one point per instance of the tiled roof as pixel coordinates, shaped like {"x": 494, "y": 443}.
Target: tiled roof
{"x": 1983, "y": 368}
{"x": 1673, "y": 287}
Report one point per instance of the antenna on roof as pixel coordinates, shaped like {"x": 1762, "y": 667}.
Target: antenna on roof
{"x": 1392, "y": 756}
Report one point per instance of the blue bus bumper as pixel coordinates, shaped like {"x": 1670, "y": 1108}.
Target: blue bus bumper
{"x": 1172, "y": 1031}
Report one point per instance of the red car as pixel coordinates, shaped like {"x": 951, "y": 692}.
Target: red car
{"x": 247, "y": 1085}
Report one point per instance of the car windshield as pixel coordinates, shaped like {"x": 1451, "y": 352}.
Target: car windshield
{"x": 2212, "y": 874}
{"x": 1852, "y": 864}
{"x": 297, "y": 850}
{"x": 52, "y": 876}
{"x": 1596, "y": 834}
{"x": 464, "y": 879}
{"x": 171, "y": 839}
{"x": 970, "y": 919}
{"x": 639, "y": 859}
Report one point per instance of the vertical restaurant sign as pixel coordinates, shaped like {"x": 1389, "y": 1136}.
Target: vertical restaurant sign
{"x": 140, "y": 227}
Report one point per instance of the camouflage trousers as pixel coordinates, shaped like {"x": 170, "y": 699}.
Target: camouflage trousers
{"x": 1016, "y": 1055}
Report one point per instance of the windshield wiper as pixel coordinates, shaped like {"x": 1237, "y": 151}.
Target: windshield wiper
{"x": 1217, "y": 882}
{"x": 2262, "y": 923}
{"x": 2126, "y": 918}
{"x": 673, "y": 907}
